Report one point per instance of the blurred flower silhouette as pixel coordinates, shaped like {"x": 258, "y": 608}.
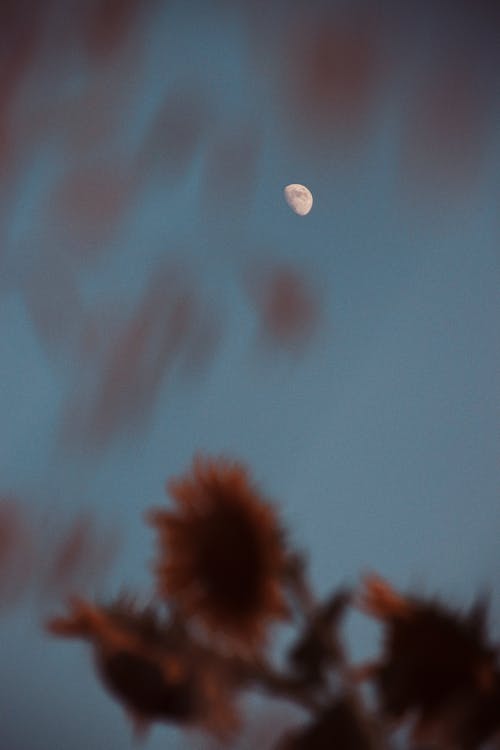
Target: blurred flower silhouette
{"x": 222, "y": 556}
{"x": 333, "y": 65}
{"x": 223, "y": 569}
{"x": 435, "y": 663}
{"x": 223, "y": 565}
{"x": 288, "y": 304}
{"x": 153, "y": 667}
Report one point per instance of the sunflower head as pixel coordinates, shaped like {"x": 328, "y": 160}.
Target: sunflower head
{"x": 152, "y": 666}
{"x": 432, "y": 658}
{"x": 436, "y": 663}
{"x": 221, "y": 553}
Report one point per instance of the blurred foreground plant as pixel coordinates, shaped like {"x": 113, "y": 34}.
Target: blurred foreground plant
{"x": 225, "y": 573}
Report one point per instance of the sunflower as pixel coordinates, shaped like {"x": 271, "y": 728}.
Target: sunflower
{"x": 153, "y": 668}
{"x": 436, "y": 663}
{"x": 221, "y": 553}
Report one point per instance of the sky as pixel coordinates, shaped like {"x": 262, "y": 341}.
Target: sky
{"x": 144, "y": 149}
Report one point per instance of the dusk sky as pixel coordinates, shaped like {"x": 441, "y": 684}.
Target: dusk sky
{"x": 159, "y": 299}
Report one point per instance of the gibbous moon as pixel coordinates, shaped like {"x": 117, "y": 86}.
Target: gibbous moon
{"x": 299, "y": 198}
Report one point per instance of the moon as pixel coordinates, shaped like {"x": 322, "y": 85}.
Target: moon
{"x": 299, "y": 198}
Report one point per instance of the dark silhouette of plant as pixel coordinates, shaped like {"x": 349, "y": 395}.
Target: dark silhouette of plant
{"x": 226, "y": 573}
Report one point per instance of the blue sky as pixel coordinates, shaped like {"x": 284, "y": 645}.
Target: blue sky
{"x": 378, "y": 439}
